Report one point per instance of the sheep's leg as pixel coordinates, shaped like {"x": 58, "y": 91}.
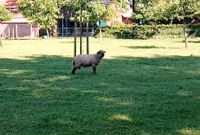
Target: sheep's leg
{"x": 94, "y": 69}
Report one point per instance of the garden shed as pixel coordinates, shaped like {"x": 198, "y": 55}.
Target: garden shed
{"x": 18, "y": 26}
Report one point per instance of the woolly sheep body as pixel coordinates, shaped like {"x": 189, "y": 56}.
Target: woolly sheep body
{"x": 87, "y": 60}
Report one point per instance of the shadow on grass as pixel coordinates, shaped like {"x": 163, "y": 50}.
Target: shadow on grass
{"x": 145, "y": 47}
{"x": 191, "y": 41}
{"x": 194, "y": 41}
{"x": 127, "y": 96}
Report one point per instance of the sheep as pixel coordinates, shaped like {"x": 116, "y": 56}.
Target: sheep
{"x": 87, "y": 60}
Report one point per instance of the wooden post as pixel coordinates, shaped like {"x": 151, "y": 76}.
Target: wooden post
{"x": 81, "y": 30}
{"x": 100, "y": 30}
{"x": 87, "y": 37}
{"x": 185, "y": 35}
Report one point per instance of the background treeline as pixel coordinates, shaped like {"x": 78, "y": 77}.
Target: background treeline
{"x": 150, "y": 31}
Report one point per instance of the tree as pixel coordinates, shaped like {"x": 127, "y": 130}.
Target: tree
{"x": 4, "y": 16}
{"x": 85, "y": 11}
{"x": 80, "y": 13}
{"x": 188, "y": 9}
{"x": 101, "y": 12}
{"x": 171, "y": 9}
{"x": 43, "y": 12}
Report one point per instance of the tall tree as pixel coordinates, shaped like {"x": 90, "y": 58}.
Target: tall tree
{"x": 80, "y": 13}
{"x": 4, "y": 16}
{"x": 171, "y": 9}
{"x": 43, "y": 12}
{"x": 100, "y": 11}
{"x": 85, "y": 11}
{"x": 188, "y": 9}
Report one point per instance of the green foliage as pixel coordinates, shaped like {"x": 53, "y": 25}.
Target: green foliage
{"x": 81, "y": 10}
{"x": 166, "y": 9}
{"x": 4, "y": 16}
{"x": 91, "y": 10}
{"x": 44, "y": 12}
{"x": 101, "y": 12}
{"x": 130, "y": 31}
{"x": 4, "y": 13}
{"x": 149, "y": 31}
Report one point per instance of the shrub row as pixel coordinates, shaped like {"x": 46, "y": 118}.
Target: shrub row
{"x": 148, "y": 31}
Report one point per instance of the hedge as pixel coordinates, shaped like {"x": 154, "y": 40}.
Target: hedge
{"x": 149, "y": 31}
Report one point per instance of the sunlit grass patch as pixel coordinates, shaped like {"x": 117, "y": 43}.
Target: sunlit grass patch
{"x": 120, "y": 117}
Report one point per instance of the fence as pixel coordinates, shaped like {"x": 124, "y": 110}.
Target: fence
{"x": 70, "y": 31}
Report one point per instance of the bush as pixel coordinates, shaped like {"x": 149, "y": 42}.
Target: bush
{"x": 170, "y": 31}
{"x": 148, "y": 31}
{"x": 130, "y": 31}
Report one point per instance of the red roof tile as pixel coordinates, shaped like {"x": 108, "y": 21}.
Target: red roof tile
{"x": 11, "y": 5}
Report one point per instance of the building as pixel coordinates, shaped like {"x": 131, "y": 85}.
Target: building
{"x": 18, "y": 27}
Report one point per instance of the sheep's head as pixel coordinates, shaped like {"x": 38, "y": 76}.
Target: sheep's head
{"x": 101, "y": 53}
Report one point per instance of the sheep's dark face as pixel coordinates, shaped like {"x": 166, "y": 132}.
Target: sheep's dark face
{"x": 101, "y": 53}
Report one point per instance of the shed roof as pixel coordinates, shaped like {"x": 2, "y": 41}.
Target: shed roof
{"x": 18, "y": 18}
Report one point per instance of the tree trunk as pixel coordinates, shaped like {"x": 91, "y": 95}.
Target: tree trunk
{"x": 185, "y": 35}
{"x": 1, "y": 41}
{"x": 47, "y": 31}
{"x": 54, "y": 31}
{"x": 133, "y": 5}
{"x": 100, "y": 29}
{"x": 184, "y": 24}
{"x": 1, "y": 38}
{"x": 185, "y": 31}
{"x": 171, "y": 20}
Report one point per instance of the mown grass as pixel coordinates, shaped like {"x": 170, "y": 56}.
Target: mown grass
{"x": 150, "y": 89}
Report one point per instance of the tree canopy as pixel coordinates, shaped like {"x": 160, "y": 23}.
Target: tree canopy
{"x": 4, "y": 13}
{"x": 166, "y": 9}
{"x": 4, "y": 16}
{"x": 44, "y": 12}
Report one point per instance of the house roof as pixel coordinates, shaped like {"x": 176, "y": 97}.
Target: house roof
{"x": 18, "y": 18}
{"x": 11, "y": 5}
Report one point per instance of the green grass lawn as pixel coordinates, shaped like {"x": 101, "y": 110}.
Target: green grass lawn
{"x": 142, "y": 87}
